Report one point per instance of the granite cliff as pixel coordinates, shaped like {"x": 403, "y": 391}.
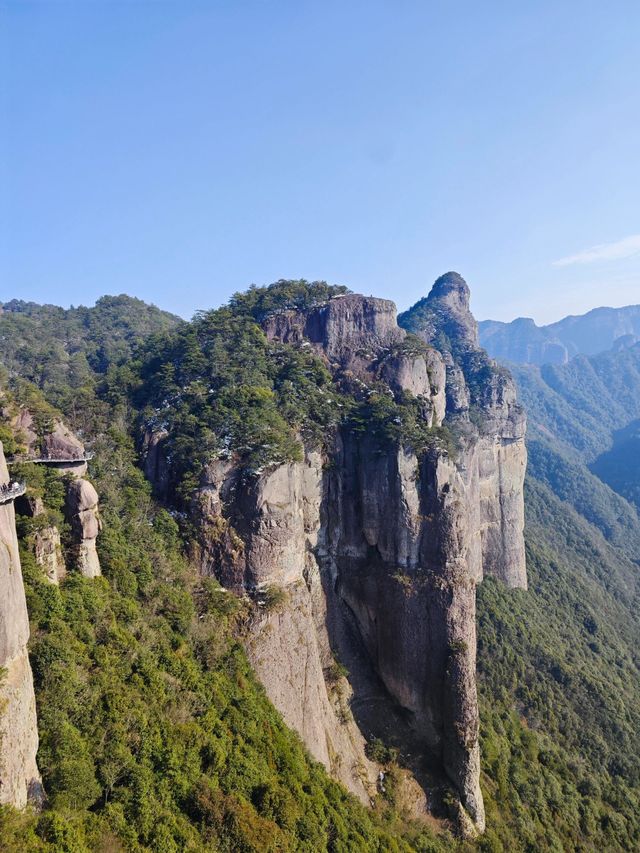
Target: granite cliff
{"x": 19, "y": 776}
{"x": 367, "y": 550}
{"x": 56, "y": 447}
{"x": 64, "y": 455}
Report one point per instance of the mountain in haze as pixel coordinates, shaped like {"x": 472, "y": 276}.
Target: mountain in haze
{"x": 523, "y": 342}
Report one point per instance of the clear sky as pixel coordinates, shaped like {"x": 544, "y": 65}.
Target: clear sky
{"x": 179, "y": 151}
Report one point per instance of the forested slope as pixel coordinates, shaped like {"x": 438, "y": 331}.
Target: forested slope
{"x": 154, "y": 732}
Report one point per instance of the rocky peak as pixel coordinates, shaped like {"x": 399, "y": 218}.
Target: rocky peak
{"x": 443, "y": 318}
{"x": 452, "y": 289}
{"x": 375, "y": 549}
{"x": 341, "y": 327}
{"x": 449, "y": 299}
{"x": 359, "y": 335}
{"x": 81, "y": 510}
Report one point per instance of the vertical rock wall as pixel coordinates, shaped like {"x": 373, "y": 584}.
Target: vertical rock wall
{"x": 81, "y": 509}
{"x": 265, "y": 542}
{"x": 377, "y": 553}
{"x": 19, "y": 777}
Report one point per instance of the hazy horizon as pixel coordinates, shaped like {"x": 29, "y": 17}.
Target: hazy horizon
{"x": 400, "y": 307}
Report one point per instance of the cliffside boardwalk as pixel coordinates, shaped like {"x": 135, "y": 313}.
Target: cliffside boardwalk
{"x": 12, "y": 490}
{"x": 51, "y": 460}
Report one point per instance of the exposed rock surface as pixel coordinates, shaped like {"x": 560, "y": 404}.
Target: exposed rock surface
{"x": 359, "y": 337}
{"x": 60, "y": 447}
{"x": 55, "y": 441}
{"x": 81, "y": 509}
{"x": 19, "y": 776}
{"x": 482, "y": 406}
{"x": 45, "y": 540}
{"x": 377, "y": 552}
{"x": 47, "y": 549}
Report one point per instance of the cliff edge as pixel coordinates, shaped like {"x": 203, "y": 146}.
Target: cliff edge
{"x": 362, "y": 557}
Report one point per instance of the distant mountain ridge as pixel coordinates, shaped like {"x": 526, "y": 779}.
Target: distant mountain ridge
{"x": 523, "y": 342}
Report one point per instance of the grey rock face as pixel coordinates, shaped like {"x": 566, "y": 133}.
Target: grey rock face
{"x": 481, "y": 406}
{"x": 342, "y": 327}
{"x": 156, "y": 468}
{"x": 19, "y": 776}
{"x": 58, "y": 443}
{"x": 260, "y": 535}
{"x": 45, "y": 542}
{"x": 61, "y": 443}
{"x": 81, "y": 501}
{"x": 48, "y": 553}
{"x": 360, "y": 337}
{"x": 81, "y": 510}
{"x": 377, "y": 552}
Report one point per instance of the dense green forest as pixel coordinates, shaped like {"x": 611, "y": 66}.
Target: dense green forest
{"x": 154, "y": 733}
{"x": 582, "y": 437}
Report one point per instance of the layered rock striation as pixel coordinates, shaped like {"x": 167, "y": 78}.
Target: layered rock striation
{"x": 373, "y": 546}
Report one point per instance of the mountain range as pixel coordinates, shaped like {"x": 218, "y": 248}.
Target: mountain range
{"x": 522, "y": 341}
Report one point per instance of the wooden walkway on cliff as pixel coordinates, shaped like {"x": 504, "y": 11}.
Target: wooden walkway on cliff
{"x": 12, "y": 490}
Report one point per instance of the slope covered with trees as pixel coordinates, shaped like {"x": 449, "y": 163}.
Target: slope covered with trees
{"x": 155, "y": 734}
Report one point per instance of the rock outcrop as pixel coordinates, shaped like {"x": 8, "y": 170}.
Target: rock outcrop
{"x": 53, "y": 441}
{"x": 45, "y": 540}
{"x": 81, "y": 509}
{"x": 19, "y": 776}
{"x": 55, "y": 446}
{"x": 374, "y": 550}
{"x": 47, "y": 549}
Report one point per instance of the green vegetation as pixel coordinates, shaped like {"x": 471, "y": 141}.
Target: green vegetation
{"x": 576, "y": 413}
{"x": 219, "y": 387}
{"x": 582, "y": 403}
{"x": 444, "y": 329}
{"x": 559, "y": 665}
{"x": 155, "y": 735}
{"x": 389, "y": 421}
{"x": 560, "y": 691}
{"x": 283, "y": 295}
{"x": 64, "y": 353}
{"x": 619, "y": 467}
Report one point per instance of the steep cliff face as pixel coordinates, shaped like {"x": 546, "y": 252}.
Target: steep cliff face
{"x": 482, "y": 406}
{"x": 261, "y": 535}
{"x": 81, "y": 509}
{"x": 19, "y": 777}
{"x": 45, "y": 540}
{"x": 375, "y": 550}
{"x": 55, "y": 441}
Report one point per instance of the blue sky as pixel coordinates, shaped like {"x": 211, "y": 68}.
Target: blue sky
{"x": 179, "y": 151}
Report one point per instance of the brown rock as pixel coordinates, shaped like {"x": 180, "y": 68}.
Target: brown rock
{"x": 19, "y": 776}
{"x": 81, "y": 510}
